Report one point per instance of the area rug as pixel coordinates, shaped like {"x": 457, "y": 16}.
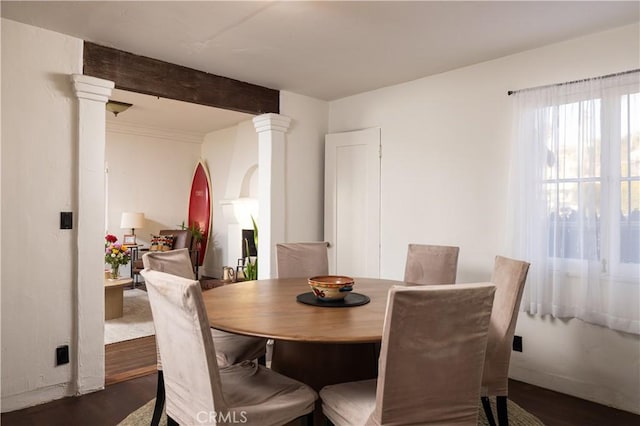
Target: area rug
{"x": 518, "y": 416}
{"x": 136, "y": 321}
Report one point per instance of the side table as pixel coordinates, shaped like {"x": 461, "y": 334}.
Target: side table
{"x": 135, "y": 254}
{"x": 114, "y": 296}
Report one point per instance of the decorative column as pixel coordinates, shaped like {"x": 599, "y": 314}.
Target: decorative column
{"x": 88, "y": 354}
{"x": 271, "y": 129}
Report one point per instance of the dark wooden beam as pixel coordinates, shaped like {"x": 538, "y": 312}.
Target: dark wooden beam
{"x": 153, "y": 77}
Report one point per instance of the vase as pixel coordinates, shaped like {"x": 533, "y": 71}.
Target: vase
{"x": 114, "y": 272}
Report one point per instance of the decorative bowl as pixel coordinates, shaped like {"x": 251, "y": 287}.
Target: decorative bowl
{"x": 330, "y": 288}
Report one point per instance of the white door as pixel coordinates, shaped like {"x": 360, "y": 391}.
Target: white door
{"x": 352, "y": 202}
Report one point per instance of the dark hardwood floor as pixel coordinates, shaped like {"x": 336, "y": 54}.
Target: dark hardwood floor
{"x": 129, "y": 359}
{"x": 131, "y": 382}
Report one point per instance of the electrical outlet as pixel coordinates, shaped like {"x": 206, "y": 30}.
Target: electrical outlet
{"x": 62, "y": 355}
{"x": 517, "y": 343}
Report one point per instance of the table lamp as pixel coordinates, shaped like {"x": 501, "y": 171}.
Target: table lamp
{"x": 132, "y": 220}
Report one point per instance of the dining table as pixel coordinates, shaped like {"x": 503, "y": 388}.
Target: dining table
{"x": 317, "y": 345}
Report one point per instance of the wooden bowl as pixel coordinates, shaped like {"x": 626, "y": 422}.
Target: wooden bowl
{"x": 329, "y": 288}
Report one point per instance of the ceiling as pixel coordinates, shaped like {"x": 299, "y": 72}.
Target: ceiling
{"x": 324, "y": 49}
{"x": 160, "y": 113}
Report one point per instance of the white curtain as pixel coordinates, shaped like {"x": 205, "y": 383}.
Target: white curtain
{"x": 575, "y": 199}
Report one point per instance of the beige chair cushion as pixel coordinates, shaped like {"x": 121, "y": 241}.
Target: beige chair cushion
{"x": 297, "y": 260}
{"x": 509, "y": 277}
{"x": 196, "y": 389}
{"x": 234, "y": 348}
{"x": 433, "y": 349}
{"x": 231, "y": 348}
{"x": 427, "y": 264}
{"x": 349, "y": 403}
{"x": 246, "y": 384}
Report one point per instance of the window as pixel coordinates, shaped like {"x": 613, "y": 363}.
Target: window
{"x": 578, "y": 175}
{"x": 630, "y": 178}
{"x": 576, "y": 182}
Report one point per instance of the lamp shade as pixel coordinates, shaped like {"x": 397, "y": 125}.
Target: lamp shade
{"x": 132, "y": 220}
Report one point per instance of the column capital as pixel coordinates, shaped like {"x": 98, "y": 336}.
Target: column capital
{"x": 92, "y": 88}
{"x": 271, "y": 122}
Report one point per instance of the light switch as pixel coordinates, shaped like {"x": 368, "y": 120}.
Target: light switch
{"x": 66, "y": 220}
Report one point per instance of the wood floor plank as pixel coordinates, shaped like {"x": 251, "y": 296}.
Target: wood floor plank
{"x": 557, "y": 409}
{"x": 130, "y": 359}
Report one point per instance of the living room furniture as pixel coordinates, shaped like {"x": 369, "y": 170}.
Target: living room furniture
{"x": 249, "y": 393}
{"x": 302, "y": 259}
{"x": 113, "y": 297}
{"x": 316, "y": 345}
{"x": 132, "y": 220}
{"x": 509, "y": 277}
{"x": 182, "y": 238}
{"x": 433, "y": 351}
{"x": 230, "y": 348}
{"x": 429, "y": 264}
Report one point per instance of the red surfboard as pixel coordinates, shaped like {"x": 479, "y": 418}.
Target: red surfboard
{"x": 200, "y": 206}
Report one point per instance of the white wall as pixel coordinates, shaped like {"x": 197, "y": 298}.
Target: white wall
{"x": 232, "y": 157}
{"x": 38, "y": 182}
{"x": 1, "y": 156}
{"x": 445, "y": 159}
{"x": 304, "y": 166}
{"x": 150, "y": 171}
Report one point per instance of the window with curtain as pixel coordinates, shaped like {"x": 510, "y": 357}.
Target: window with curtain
{"x": 575, "y": 199}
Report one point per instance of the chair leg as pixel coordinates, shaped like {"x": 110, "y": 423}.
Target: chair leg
{"x": 501, "y": 407}
{"x": 307, "y": 419}
{"x": 157, "y": 411}
{"x": 487, "y": 410}
{"x": 263, "y": 360}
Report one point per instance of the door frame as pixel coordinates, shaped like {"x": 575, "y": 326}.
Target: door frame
{"x": 371, "y": 137}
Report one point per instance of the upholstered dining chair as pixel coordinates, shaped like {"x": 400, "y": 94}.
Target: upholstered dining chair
{"x": 509, "y": 277}
{"x": 433, "y": 348}
{"x": 429, "y": 264}
{"x": 197, "y": 390}
{"x": 230, "y": 348}
{"x": 296, "y": 260}
{"x": 182, "y": 239}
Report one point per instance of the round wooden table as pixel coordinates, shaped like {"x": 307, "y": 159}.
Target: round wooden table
{"x": 316, "y": 345}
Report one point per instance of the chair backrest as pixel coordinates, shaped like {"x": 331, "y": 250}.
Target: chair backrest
{"x": 509, "y": 277}
{"x": 174, "y": 262}
{"x": 433, "y": 350}
{"x": 181, "y": 237}
{"x": 427, "y": 264}
{"x": 191, "y": 376}
{"x": 178, "y": 262}
{"x": 302, "y": 259}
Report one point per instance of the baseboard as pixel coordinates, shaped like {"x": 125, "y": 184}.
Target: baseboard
{"x": 36, "y": 397}
{"x": 569, "y": 386}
